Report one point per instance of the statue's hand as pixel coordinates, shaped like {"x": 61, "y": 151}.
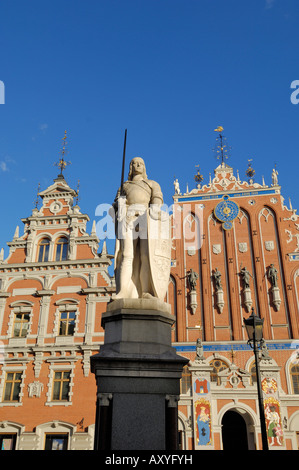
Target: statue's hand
{"x": 155, "y": 212}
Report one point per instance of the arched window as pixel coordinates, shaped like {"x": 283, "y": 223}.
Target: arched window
{"x": 61, "y": 249}
{"x": 43, "y": 250}
{"x": 218, "y": 365}
{"x": 294, "y": 372}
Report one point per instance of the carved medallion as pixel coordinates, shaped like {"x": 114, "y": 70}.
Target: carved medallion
{"x": 269, "y": 245}
{"x": 243, "y": 247}
{"x": 217, "y": 249}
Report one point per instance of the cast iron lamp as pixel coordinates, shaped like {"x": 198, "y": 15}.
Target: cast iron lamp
{"x": 254, "y": 328}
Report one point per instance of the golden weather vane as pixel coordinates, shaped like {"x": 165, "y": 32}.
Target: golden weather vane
{"x": 198, "y": 177}
{"x": 250, "y": 172}
{"x": 62, "y": 164}
{"x": 221, "y": 150}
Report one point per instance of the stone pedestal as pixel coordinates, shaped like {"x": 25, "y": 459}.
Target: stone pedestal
{"x": 247, "y": 298}
{"x": 138, "y": 378}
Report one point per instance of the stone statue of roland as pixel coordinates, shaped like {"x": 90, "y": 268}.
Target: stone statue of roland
{"x": 143, "y": 244}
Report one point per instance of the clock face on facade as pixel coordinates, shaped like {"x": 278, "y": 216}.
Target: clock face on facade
{"x": 226, "y": 211}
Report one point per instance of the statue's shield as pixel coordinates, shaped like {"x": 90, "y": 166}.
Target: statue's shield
{"x": 159, "y": 246}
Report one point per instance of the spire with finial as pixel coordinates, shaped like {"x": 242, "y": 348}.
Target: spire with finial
{"x": 221, "y": 150}
{"x": 77, "y": 193}
{"x": 62, "y": 164}
{"x": 250, "y": 172}
{"x": 37, "y": 195}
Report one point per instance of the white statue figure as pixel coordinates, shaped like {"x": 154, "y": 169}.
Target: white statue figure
{"x": 142, "y": 255}
{"x": 176, "y": 187}
{"x": 274, "y": 177}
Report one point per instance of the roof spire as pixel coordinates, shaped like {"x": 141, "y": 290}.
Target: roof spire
{"x": 37, "y": 195}
{"x": 62, "y": 164}
{"x": 198, "y": 177}
{"x": 221, "y": 150}
{"x": 250, "y": 172}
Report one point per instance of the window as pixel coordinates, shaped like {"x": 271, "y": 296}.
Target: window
{"x": 7, "y": 441}
{"x": 61, "y": 385}
{"x": 21, "y": 324}
{"x": 185, "y": 380}
{"x": 61, "y": 249}
{"x": 56, "y": 441}
{"x": 294, "y": 371}
{"x": 67, "y": 323}
{"x": 218, "y": 365}
{"x": 12, "y": 386}
{"x": 43, "y": 251}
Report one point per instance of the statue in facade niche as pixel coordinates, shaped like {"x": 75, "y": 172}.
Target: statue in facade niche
{"x": 192, "y": 278}
{"x": 143, "y": 244}
{"x": 245, "y": 275}
{"x": 217, "y": 278}
{"x": 272, "y": 275}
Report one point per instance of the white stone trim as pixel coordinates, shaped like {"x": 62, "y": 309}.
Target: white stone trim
{"x": 65, "y": 366}
{"x": 8, "y": 368}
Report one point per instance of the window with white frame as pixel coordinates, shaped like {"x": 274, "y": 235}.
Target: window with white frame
{"x": 20, "y": 319}
{"x": 66, "y": 318}
{"x": 67, "y": 323}
{"x": 60, "y": 386}
{"x": 11, "y": 385}
{"x": 61, "y": 249}
{"x": 43, "y": 250}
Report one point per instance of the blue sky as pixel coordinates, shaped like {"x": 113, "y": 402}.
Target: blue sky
{"x": 169, "y": 71}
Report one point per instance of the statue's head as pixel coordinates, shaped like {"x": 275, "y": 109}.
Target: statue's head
{"x": 137, "y": 166}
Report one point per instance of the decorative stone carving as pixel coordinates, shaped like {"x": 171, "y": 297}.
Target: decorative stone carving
{"x": 269, "y": 245}
{"x": 34, "y": 389}
{"x": 291, "y": 237}
{"x": 217, "y": 249}
{"x": 242, "y": 247}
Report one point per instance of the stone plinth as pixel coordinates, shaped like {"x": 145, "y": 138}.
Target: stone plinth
{"x": 138, "y": 377}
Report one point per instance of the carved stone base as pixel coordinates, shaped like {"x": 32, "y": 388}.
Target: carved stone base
{"x": 220, "y": 299}
{"x": 138, "y": 378}
{"x": 193, "y": 301}
{"x": 247, "y": 298}
{"x": 276, "y": 297}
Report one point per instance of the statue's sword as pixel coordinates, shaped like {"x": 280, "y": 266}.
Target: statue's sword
{"x": 123, "y": 165}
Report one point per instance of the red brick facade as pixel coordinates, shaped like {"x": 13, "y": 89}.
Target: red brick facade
{"x": 55, "y": 286}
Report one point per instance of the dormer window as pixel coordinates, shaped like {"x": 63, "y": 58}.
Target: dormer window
{"x": 43, "y": 250}
{"x": 61, "y": 249}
